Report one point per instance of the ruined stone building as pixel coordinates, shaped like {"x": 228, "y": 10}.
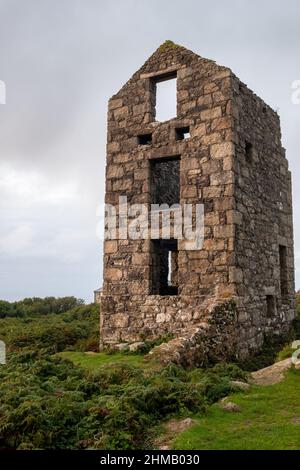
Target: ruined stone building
{"x": 97, "y": 295}
{"x": 222, "y": 149}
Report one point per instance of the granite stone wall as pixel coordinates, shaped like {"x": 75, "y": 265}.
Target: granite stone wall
{"x": 263, "y": 202}
{"x": 234, "y": 164}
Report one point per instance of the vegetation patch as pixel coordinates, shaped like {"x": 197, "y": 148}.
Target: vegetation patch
{"x": 268, "y": 419}
{"x": 56, "y": 392}
{"x": 75, "y": 328}
{"x": 94, "y": 361}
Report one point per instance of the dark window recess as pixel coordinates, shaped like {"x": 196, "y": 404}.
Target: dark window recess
{"x": 283, "y": 271}
{"x": 182, "y": 133}
{"x": 271, "y": 305}
{"x": 164, "y": 267}
{"x": 165, "y": 187}
{"x": 145, "y": 139}
{"x": 249, "y": 152}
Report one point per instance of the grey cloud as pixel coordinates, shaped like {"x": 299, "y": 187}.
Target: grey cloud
{"x": 61, "y": 60}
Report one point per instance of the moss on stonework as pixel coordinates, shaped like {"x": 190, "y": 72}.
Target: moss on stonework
{"x": 225, "y": 312}
{"x": 167, "y": 45}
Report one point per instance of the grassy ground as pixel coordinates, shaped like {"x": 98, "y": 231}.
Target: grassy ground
{"x": 269, "y": 419}
{"x": 95, "y": 361}
{"x": 78, "y": 398}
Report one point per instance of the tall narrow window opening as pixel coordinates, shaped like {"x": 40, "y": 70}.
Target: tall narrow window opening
{"x": 165, "y": 181}
{"x": 283, "y": 271}
{"x": 249, "y": 152}
{"x": 164, "y": 267}
{"x": 271, "y": 306}
{"x": 166, "y": 97}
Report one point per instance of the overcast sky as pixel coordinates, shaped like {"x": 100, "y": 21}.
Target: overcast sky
{"x": 61, "y": 60}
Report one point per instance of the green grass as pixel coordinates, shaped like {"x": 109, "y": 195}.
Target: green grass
{"x": 269, "y": 420}
{"x": 285, "y": 353}
{"x": 94, "y": 362}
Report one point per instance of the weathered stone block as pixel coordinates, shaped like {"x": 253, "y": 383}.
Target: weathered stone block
{"x": 114, "y": 104}
{"x": 224, "y": 231}
{"x": 211, "y": 113}
{"x": 218, "y": 179}
{"x": 198, "y": 130}
{"x": 110, "y": 246}
{"x": 121, "y": 113}
{"x": 222, "y": 150}
{"x": 114, "y": 274}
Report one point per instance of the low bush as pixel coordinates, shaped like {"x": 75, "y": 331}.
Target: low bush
{"x": 77, "y": 328}
{"x": 38, "y": 306}
{"x": 48, "y": 403}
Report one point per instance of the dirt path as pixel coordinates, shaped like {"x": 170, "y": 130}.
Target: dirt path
{"x": 171, "y": 429}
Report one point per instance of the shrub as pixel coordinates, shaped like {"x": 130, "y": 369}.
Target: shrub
{"x": 48, "y": 403}
{"x": 38, "y": 306}
{"x": 78, "y": 328}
